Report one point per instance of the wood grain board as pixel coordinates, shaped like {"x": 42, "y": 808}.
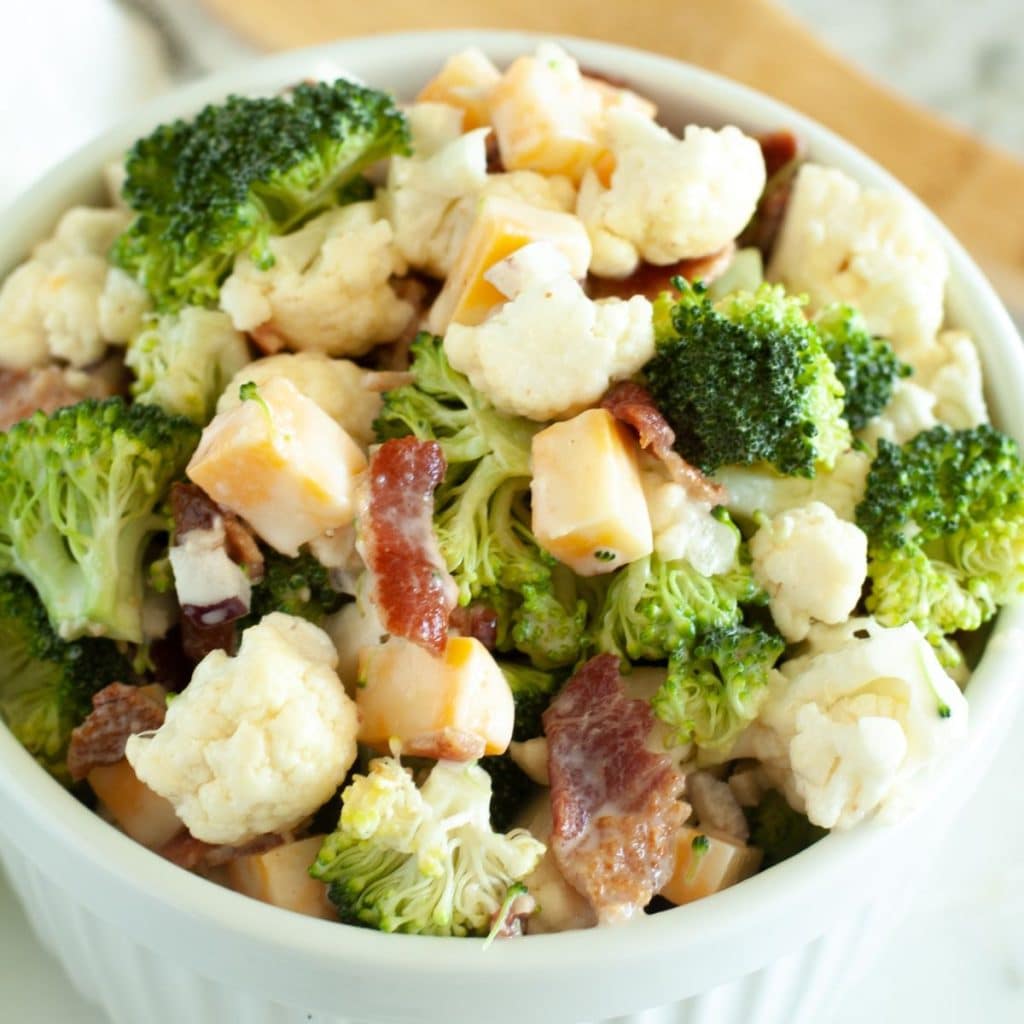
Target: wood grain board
{"x": 977, "y": 189}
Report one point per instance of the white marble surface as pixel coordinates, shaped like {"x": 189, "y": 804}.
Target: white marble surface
{"x": 959, "y": 956}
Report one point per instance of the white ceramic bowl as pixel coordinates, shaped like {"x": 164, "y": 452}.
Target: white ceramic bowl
{"x": 152, "y": 943}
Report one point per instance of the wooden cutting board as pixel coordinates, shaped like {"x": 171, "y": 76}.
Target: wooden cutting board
{"x": 977, "y": 189}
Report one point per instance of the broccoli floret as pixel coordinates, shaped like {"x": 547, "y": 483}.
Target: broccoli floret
{"x": 241, "y": 171}
{"x": 532, "y": 690}
{"x": 778, "y": 830}
{"x": 511, "y": 789}
{"x": 423, "y": 860}
{"x": 653, "y": 606}
{"x": 715, "y": 690}
{"x": 80, "y": 497}
{"x": 481, "y": 513}
{"x": 183, "y": 361}
{"x": 46, "y": 684}
{"x": 866, "y": 366}
{"x": 296, "y": 586}
{"x": 944, "y": 517}
{"x": 746, "y": 380}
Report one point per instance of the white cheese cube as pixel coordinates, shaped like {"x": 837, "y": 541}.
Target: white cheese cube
{"x": 706, "y": 866}
{"x": 281, "y": 463}
{"x": 589, "y": 509}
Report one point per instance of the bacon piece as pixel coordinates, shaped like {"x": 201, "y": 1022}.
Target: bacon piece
{"x": 197, "y": 640}
{"x": 420, "y": 293}
{"x": 650, "y": 280}
{"x": 779, "y": 148}
{"x": 185, "y": 850}
{"x": 412, "y": 589}
{"x": 476, "y": 620}
{"x": 47, "y": 389}
{"x": 632, "y": 404}
{"x": 615, "y": 805}
{"x": 118, "y": 711}
{"x": 513, "y": 923}
{"x": 191, "y": 854}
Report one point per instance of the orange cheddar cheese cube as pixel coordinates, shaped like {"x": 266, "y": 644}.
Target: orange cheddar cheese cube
{"x": 502, "y": 226}
{"x": 589, "y": 509}
{"x": 281, "y": 877}
{"x": 706, "y": 863}
{"x": 139, "y": 812}
{"x": 466, "y": 81}
{"x": 281, "y": 463}
{"x": 407, "y": 694}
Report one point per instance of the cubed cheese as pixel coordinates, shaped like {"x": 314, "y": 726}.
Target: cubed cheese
{"x": 281, "y": 877}
{"x": 589, "y": 509}
{"x": 546, "y": 118}
{"x": 712, "y": 864}
{"x": 282, "y": 464}
{"x": 407, "y": 694}
{"x": 466, "y": 81}
{"x": 502, "y": 226}
{"x": 138, "y": 811}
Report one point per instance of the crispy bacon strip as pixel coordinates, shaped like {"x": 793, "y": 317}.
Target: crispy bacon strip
{"x": 118, "y": 711}
{"x": 779, "y": 148}
{"x": 46, "y": 388}
{"x": 190, "y": 853}
{"x": 476, "y": 620}
{"x": 412, "y": 588}
{"x": 650, "y": 280}
{"x": 615, "y": 805}
{"x": 632, "y": 404}
{"x": 783, "y": 153}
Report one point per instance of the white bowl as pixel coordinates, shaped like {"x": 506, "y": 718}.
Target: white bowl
{"x": 152, "y": 943}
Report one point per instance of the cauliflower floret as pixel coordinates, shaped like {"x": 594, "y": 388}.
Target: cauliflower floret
{"x": 66, "y": 302}
{"x": 683, "y": 527}
{"x": 812, "y": 564}
{"x": 758, "y": 489}
{"x": 328, "y": 289}
{"x": 911, "y": 409}
{"x": 356, "y": 626}
{"x": 551, "y": 351}
{"x": 850, "y": 729}
{"x": 336, "y": 385}
{"x": 423, "y": 190}
{"x": 432, "y": 197}
{"x": 872, "y": 249}
{"x": 257, "y": 742}
{"x": 952, "y": 373}
{"x": 670, "y": 199}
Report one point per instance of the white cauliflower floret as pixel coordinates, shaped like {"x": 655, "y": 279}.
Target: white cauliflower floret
{"x": 851, "y": 729}
{"x": 756, "y": 489}
{"x": 684, "y": 528}
{"x": 911, "y": 409}
{"x": 328, "y": 289}
{"x": 336, "y": 385}
{"x": 872, "y": 249}
{"x": 356, "y": 626}
{"x": 551, "y": 351}
{"x": 424, "y": 189}
{"x": 257, "y": 742}
{"x": 669, "y": 199}
{"x": 66, "y": 302}
{"x": 812, "y": 566}
{"x": 432, "y": 196}
{"x": 952, "y": 373}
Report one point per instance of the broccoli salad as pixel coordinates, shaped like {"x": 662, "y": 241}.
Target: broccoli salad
{"x": 491, "y": 515}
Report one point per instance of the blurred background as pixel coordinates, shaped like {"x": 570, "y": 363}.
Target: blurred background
{"x": 69, "y": 68}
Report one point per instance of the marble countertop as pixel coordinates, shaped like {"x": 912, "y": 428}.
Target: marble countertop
{"x": 959, "y": 954}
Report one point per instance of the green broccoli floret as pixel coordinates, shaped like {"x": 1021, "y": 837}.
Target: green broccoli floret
{"x": 511, "y": 789}
{"x": 183, "y": 361}
{"x": 296, "y": 586}
{"x": 240, "y": 172}
{"x": 532, "y": 690}
{"x": 746, "y": 380}
{"x": 481, "y": 513}
{"x": 46, "y": 684}
{"x": 423, "y": 860}
{"x": 944, "y": 517}
{"x": 80, "y": 496}
{"x": 778, "y": 830}
{"x": 653, "y": 606}
{"x": 715, "y": 690}
{"x": 866, "y": 366}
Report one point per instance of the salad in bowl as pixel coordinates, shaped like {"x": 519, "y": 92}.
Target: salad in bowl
{"x": 494, "y": 514}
